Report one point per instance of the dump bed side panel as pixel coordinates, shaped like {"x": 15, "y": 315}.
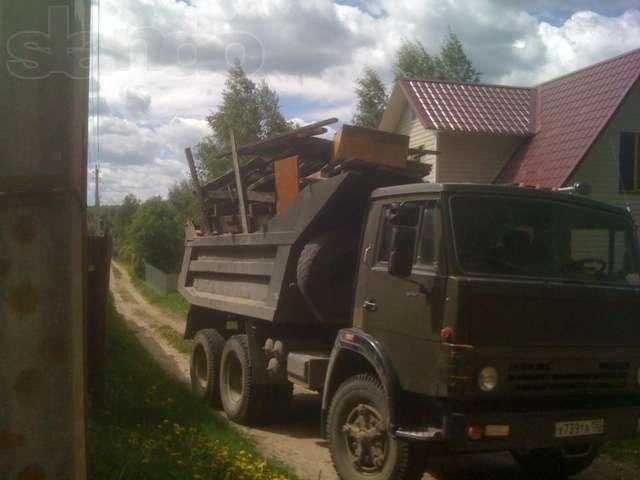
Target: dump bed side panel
{"x": 244, "y": 274}
{"x": 254, "y": 275}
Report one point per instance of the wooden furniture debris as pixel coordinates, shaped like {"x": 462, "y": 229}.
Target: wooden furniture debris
{"x": 370, "y": 145}
{"x": 287, "y": 181}
{"x": 267, "y": 176}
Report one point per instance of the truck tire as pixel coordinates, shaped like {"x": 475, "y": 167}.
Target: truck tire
{"x": 325, "y": 272}
{"x": 373, "y": 454}
{"x": 205, "y": 365}
{"x": 553, "y": 463}
{"x": 243, "y": 400}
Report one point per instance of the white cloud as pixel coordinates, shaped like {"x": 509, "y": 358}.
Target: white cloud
{"x": 164, "y": 61}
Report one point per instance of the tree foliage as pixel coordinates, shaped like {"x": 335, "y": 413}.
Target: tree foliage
{"x": 451, "y": 64}
{"x": 414, "y": 61}
{"x": 372, "y": 99}
{"x": 156, "y": 236}
{"x": 183, "y": 200}
{"x": 251, "y": 110}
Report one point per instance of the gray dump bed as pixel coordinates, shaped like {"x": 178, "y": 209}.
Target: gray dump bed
{"x": 254, "y": 275}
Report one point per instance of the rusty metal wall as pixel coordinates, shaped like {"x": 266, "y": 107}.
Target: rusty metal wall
{"x": 43, "y": 125}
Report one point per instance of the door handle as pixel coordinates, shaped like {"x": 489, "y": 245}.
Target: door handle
{"x": 365, "y": 255}
{"x": 370, "y": 305}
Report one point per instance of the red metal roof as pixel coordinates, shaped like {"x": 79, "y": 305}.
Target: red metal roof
{"x": 571, "y": 113}
{"x": 470, "y": 107}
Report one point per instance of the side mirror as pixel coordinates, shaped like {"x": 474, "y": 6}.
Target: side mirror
{"x": 403, "y": 219}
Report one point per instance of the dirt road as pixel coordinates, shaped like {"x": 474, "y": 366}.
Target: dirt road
{"x": 298, "y": 443}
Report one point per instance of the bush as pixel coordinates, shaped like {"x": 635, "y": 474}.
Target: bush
{"x": 156, "y": 236}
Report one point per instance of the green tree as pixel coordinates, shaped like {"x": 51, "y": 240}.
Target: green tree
{"x": 414, "y": 61}
{"x": 453, "y": 63}
{"x": 251, "y": 110}
{"x": 182, "y": 198}
{"x": 372, "y": 99}
{"x": 156, "y": 236}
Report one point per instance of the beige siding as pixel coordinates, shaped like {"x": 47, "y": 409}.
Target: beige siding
{"x": 419, "y": 137}
{"x": 600, "y": 167}
{"x": 473, "y": 158}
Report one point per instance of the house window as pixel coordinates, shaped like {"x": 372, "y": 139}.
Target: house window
{"x": 629, "y": 161}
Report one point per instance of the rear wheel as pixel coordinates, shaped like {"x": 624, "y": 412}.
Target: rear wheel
{"x": 555, "y": 462}
{"x": 205, "y": 365}
{"x": 243, "y": 400}
{"x": 360, "y": 443}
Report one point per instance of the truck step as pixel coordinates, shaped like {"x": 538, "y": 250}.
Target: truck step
{"x": 308, "y": 368}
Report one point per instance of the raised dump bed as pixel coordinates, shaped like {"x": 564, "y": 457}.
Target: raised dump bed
{"x": 280, "y": 233}
{"x": 258, "y": 274}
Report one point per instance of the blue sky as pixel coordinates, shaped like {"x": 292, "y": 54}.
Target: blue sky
{"x": 163, "y": 62}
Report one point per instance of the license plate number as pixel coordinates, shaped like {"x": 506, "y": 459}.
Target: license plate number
{"x": 580, "y": 428}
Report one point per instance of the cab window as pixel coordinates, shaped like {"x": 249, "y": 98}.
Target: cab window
{"x": 384, "y": 240}
{"x": 427, "y": 242}
{"x": 425, "y": 254}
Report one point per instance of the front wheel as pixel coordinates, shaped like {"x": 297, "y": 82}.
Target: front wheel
{"x": 557, "y": 463}
{"x": 361, "y": 445}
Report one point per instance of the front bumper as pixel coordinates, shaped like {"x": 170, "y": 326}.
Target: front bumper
{"x": 530, "y": 430}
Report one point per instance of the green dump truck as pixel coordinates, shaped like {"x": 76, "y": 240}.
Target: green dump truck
{"x": 462, "y": 318}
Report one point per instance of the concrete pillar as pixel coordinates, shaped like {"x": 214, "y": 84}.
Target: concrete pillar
{"x": 43, "y": 128}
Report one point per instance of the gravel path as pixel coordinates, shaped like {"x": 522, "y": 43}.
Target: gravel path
{"x": 298, "y": 443}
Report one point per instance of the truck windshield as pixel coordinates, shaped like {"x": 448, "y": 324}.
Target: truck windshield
{"x": 521, "y": 237}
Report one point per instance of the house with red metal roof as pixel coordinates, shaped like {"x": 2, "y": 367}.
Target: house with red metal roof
{"x": 583, "y": 126}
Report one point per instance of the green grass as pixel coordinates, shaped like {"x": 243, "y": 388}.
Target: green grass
{"x": 149, "y": 427}
{"x": 627, "y": 451}
{"x": 174, "y": 338}
{"x": 171, "y": 302}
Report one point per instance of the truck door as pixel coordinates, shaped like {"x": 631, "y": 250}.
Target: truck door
{"x": 403, "y": 314}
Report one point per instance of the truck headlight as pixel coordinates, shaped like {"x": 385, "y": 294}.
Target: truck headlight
{"x": 488, "y": 379}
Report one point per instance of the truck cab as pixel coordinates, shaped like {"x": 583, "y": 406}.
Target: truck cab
{"x": 495, "y": 318}
{"x": 432, "y": 318}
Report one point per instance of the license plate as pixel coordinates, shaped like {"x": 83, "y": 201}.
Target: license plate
{"x": 580, "y": 428}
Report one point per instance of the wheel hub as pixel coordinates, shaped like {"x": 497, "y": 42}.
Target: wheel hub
{"x": 366, "y": 438}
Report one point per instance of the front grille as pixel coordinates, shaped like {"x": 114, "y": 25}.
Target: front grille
{"x": 559, "y": 377}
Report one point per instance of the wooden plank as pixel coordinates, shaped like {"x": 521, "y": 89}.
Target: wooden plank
{"x": 370, "y": 145}
{"x": 197, "y": 187}
{"x": 239, "y": 185}
{"x": 287, "y": 182}
{"x": 252, "y": 196}
{"x": 285, "y": 138}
